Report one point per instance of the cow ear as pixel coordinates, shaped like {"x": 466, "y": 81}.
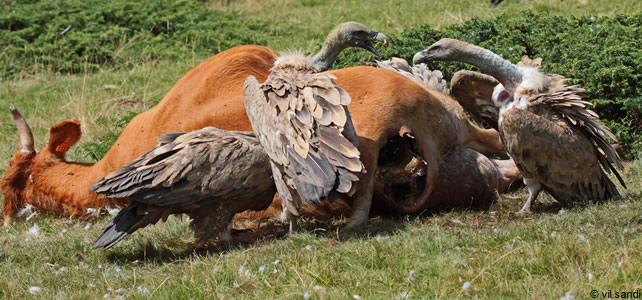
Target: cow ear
{"x": 63, "y": 136}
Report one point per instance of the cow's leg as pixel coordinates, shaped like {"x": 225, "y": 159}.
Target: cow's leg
{"x": 485, "y": 141}
{"x": 509, "y": 174}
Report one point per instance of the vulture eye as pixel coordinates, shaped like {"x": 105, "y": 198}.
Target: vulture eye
{"x": 434, "y": 49}
{"x": 361, "y": 34}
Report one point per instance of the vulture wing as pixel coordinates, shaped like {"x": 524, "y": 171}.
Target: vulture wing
{"x": 184, "y": 173}
{"x": 474, "y": 91}
{"x": 302, "y": 121}
{"x": 564, "y": 161}
{"x": 565, "y": 103}
{"x": 187, "y": 167}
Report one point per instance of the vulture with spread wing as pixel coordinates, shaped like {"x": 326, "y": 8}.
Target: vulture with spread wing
{"x": 476, "y": 91}
{"x": 557, "y": 143}
{"x": 209, "y": 174}
{"x": 300, "y": 116}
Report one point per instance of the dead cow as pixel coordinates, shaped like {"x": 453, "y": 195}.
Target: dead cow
{"x": 385, "y": 107}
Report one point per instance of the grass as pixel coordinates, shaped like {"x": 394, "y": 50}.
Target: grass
{"x": 499, "y": 254}
{"x": 47, "y": 99}
{"x": 502, "y": 256}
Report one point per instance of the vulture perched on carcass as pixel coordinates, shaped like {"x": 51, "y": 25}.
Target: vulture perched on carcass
{"x": 300, "y": 116}
{"x": 557, "y": 143}
{"x": 209, "y": 174}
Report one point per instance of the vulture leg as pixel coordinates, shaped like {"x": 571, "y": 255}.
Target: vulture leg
{"x": 533, "y": 191}
{"x": 294, "y": 224}
{"x": 211, "y": 222}
{"x": 288, "y": 217}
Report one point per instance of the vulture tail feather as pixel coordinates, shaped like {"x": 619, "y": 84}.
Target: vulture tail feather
{"x": 118, "y": 228}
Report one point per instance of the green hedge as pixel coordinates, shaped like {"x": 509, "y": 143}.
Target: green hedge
{"x": 603, "y": 55}
{"x": 71, "y": 36}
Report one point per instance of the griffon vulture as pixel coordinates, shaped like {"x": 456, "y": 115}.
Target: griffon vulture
{"x": 545, "y": 126}
{"x": 209, "y": 174}
{"x": 300, "y": 116}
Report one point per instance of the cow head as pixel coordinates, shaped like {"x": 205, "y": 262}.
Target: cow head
{"x": 25, "y": 166}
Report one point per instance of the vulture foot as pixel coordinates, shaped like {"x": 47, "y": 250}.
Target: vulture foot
{"x": 294, "y": 226}
{"x": 290, "y": 219}
{"x": 226, "y": 237}
{"x": 534, "y": 189}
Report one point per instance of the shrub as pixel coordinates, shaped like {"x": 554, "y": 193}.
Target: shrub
{"x": 603, "y": 55}
{"x": 600, "y": 54}
{"x": 71, "y": 36}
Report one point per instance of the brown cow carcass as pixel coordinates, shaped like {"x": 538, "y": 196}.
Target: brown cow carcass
{"x": 386, "y": 107}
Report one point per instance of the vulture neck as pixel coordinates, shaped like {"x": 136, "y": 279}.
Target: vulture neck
{"x": 332, "y": 46}
{"x": 492, "y": 64}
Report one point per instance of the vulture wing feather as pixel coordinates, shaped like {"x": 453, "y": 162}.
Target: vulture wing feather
{"x": 188, "y": 173}
{"x": 568, "y": 168}
{"x": 207, "y": 163}
{"x": 309, "y": 141}
{"x": 566, "y": 103}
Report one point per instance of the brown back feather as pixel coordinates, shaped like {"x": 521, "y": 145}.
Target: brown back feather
{"x": 210, "y": 161}
{"x": 565, "y": 103}
{"x": 420, "y": 73}
{"x": 301, "y": 118}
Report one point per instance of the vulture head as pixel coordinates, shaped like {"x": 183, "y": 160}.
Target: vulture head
{"x": 353, "y": 34}
{"x": 443, "y": 50}
{"x": 345, "y": 35}
{"x": 500, "y": 96}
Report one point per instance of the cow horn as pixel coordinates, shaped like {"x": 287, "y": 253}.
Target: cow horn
{"x": 26, "y": 137}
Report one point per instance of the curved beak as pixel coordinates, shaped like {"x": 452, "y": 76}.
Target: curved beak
{"x": 420, "y": 57}
{"x": 376, "y": 36}
{"x": 24, "y": 131}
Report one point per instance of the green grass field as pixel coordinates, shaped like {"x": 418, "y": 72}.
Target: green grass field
{"x": 500, "y": 256}
{"x": 489, "y": 254}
